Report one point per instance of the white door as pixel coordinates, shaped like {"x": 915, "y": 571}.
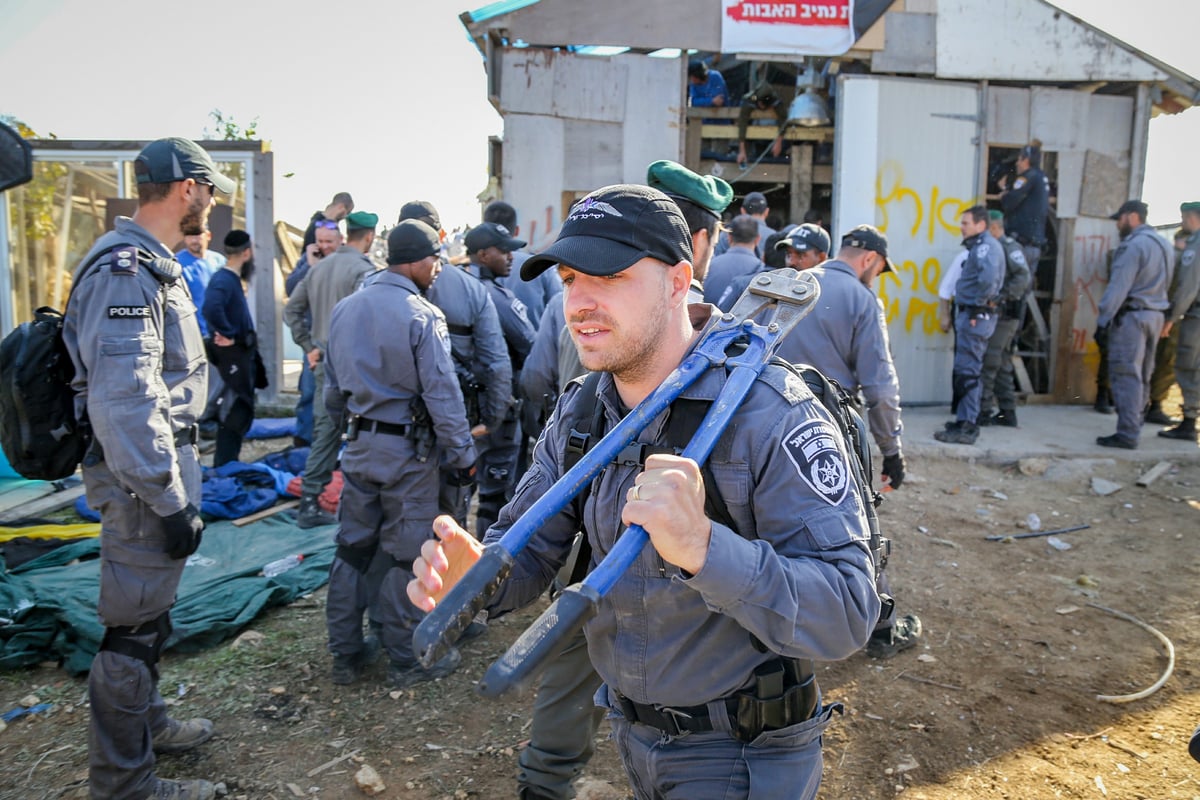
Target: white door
{"x": 905, "y": 160}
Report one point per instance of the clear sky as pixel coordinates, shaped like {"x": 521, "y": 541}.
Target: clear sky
{"x": 383, "y": 98}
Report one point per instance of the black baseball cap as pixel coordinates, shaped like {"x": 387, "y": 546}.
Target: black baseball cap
{"x": 755, "y": 203}
{"x": 176, "y": 159}
{"x": 806, "y": 237}
{"x": 1132, "y": 207}
{"x": 868, "y": 237}
{"x": 491, "y": 234}
{"x": 612, "y": 229}
{"x": 410, "y": 241}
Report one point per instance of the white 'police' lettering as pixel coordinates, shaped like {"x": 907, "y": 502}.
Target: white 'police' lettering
{"x": 140, "y": 312}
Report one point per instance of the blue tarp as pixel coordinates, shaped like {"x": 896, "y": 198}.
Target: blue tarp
{"x": 48, "y": 605}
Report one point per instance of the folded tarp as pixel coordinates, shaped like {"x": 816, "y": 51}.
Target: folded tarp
{"x": 48, "y": 605}
{"x": 271, "y": 428}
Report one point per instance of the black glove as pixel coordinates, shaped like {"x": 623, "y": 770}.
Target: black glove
{"x": 183, "y": 529}
{"x": 893, "y": 470}
{"x": 464, "y": 476}
{"x": 1101, "y": 336}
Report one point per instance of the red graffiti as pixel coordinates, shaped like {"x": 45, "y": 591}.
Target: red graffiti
{"x": 813, "y": 12}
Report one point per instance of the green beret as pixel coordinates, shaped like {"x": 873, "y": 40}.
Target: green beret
{"x": 707, "y": 191}
{"x": 995, "y": 215}
{"x": 362, "y": 220}
{"x": 1193, "y": 206}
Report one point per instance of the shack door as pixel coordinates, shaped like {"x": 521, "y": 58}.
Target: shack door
{"x": 906, "y": 160}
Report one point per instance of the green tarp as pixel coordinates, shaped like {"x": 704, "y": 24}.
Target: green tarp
{"x": 48, "y": 605}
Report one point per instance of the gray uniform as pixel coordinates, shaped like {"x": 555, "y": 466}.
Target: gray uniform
{"x": 1132, "y": 310}
{"x": 845, "y": 338}
{"x": 496, "y": 471}
{"x": 798, "y": 579}
{"x": 141, "y": 375}
{"x": 1185, "y": 310}
{"x": 336, "y": 276}
{"x": 975, "y": 319}
{"x": 996, "y": 377}
{"x": 537, "y": 294}
{"x": 387, "y": 346}
{"x": 480, "y": 360}
{"x": 724, "y": 245}
{"x": 725, "y": 268}
{"x": 539, "y": 381}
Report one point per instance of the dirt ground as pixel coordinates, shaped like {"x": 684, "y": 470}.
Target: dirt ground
{"x": 998, "y": 702}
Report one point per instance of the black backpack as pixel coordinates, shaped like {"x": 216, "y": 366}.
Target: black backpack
{"x": 38, "y": 429}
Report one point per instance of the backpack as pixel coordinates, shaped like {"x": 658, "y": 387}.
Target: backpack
{"x": 38, "y": 430}
{"x": 585, "y": 429}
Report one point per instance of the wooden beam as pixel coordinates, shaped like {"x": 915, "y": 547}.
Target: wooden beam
{"x": 801, "y": 181}
{"x": 43, "y": 504}
{"x": 765, "y": 132}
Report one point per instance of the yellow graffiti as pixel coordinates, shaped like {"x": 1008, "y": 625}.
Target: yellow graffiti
{"x": 890, "y": 188}
{"x": 920, "y": 282}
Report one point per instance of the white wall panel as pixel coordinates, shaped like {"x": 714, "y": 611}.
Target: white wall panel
{"x": 533, "y": 175}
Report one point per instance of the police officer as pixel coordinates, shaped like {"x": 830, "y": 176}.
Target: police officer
{"x": 388, "y": 356}
{"x": 535, "y": 294}
{"x": 481, "y": 359}
{"x": 307, "y": 314}
{"x": 975, "y": 297}
{"x": 845, "y": 338}
{"x": 741, "y": 260}
{"x": 996, "y": 378}
{"x": 490, "y": 248}
{"x": 1027, "y": 203}
{"x": 1130, "y": 318}
{"x": 1184, "y": 315}
{"x": 702, "y": 199}
{"x": 708, "y": 613}
{"x": 140, "y": 371}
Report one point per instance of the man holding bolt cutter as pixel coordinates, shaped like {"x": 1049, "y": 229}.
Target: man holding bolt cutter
{"x": 705, "y": 643}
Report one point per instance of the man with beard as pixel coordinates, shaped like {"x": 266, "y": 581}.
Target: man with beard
{"x": 234, "y": 350}
{"x": 140, "y": 372}
{"x": 1130, "y": 318}
{"x": 710, "y": 609}
{"x": 307, "y": 314}
{"x": 389, "y": 361}
{"x": 490, "y": 247}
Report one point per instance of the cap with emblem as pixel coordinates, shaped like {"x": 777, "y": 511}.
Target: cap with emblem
{"x": 422, "y": 210}
{"x": 361, "y": 221}
{"x": 868, "y": 237}
{"x": 806, "y": 237}
{"x": 236, "y": 241}
{"x": 678, "y": 182}
{"x": 177, "y": 159}
{"x": 1132, "y": 207}
{"x": 755, "y": 203}
{"x": 491, "y": 234}
{"x": 1190, "y": 208}
{"x": 612, "y": 229}
{"x": 411, "y": 241}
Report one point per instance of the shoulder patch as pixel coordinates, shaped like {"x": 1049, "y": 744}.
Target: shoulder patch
{"x": 129, "y": 312}
{"x": 1188, "y": 257}
{"x": 123, "y": 261}
{"x": 1018, "y": 183}
{"x": 812, "y": 447}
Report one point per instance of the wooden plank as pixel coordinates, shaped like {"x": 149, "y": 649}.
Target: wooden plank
{"x": 1154, "y": 473}
{"x": 23, "y": 493}
{"x": 46, "y": 503}
{"x": 266, "y": 512}
{"x": 767, "y": 132}
{"x": 801, "y": 180}
{"x": 1024, "y": 385}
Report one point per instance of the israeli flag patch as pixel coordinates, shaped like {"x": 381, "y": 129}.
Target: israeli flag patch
{"x": 813, "y": 449}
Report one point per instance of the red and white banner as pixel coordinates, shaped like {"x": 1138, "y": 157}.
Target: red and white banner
{"x": 807, "y": 28}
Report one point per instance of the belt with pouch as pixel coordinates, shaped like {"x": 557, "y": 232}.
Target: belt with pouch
{"x": 785, "y": 693}
{"x": 379, "y": 426}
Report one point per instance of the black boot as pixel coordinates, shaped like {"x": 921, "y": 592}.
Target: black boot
{"x": 311, "y": 515}
{"x": 966, "y": 433}
{"x": 1156, "y": 416}
{"x": 1185, "y": 430}
{"x": 1007, "y": 418}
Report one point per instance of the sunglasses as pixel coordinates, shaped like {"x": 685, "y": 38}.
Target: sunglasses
{"x": 326, "y": 223}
